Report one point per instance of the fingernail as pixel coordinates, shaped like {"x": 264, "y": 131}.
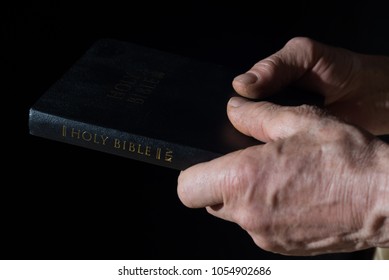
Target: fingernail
{"x": 236, "y": 101}
{"x": 246, "y": 78}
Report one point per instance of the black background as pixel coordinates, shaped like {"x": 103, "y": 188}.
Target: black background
{"x": 64, "y": 202}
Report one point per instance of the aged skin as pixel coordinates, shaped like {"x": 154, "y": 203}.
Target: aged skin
{"x": 320, "y": 183}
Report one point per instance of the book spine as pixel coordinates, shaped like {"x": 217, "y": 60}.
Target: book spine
{"x": 116, "y": 142}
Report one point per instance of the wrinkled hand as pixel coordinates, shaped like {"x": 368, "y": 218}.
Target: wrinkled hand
{"x": 355, "y": 86}
{"x": 317, "y": 185}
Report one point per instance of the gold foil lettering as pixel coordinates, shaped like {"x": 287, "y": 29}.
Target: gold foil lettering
{"x": 148, "y": 151}
{"x": 104, "y": 139}
{"x": 75, "y": 133}
{"x": 116, "y": 143}
{"x": 84, "y": 135}
{"x": 158, "y": 154}
{"x": 169, "y": 155}
{"x": 164, "y": 154}
{"x": 140, "y": 149}
{"x": 87, "y": 136}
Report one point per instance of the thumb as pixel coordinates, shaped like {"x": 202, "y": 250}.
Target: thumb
{"x": 266, "y": 121}
{"x": 277, "y": 71}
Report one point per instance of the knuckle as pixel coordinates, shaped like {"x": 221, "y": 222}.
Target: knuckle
{"x": 289, "y": 115}
{"x": 310, "y": 111}
{"x": 267, "y": 65}
{"x": 301, "y": 43}
{"x": 305, "y": 48}
{"x": 245, "y": 169}
{"x": 298, "y": 113}
{"x": 290, "y": 120}
{"x": 247, "y": 165}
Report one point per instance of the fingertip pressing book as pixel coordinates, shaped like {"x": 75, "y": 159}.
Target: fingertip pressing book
{"x": 141, "y": 103}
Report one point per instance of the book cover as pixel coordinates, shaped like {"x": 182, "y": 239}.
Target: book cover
{"x": 141, "y": 103}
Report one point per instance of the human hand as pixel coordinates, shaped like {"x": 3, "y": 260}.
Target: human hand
{"x": 355, "y": 86}
{"x": 317, "y": 186}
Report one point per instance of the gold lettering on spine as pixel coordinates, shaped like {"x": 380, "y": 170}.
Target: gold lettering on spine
{"x": 75, "y": 133}
{"x": 124, "y": 145}
{"x": 104, "y": 139}
{"x": 158, "y": 154}
{"x": 116, "y": 143}
{"x": 169, "y": 155}
{"x": 87, "y": 136}
{"x": 84, "y": 135}
{"x": 140, "y": 149}
{"x": 148, "y": 151}
{"x": 163, "y": 154}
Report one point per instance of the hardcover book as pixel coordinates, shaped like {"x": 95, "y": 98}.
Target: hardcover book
{"x": 141, "y": 103}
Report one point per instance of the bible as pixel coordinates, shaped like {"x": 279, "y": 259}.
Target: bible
{"x": 141, "y": 103}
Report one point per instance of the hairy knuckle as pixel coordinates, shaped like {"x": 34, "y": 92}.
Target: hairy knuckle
{"x": 310, "y": 111}
{"x": 301, "y": 113}
{"x": 287, "y": 115}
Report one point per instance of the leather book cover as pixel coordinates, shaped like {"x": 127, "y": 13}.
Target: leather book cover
{"x": 143, "y": 104}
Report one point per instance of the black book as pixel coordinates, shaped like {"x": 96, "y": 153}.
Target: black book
{"x": 141, "y": 103}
